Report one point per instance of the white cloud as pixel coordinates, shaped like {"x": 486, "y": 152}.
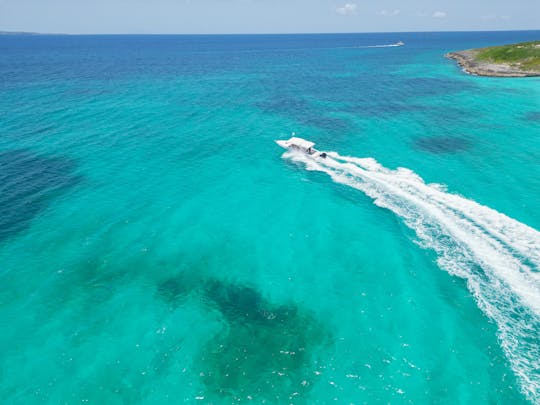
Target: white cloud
{"x": 439, "y": 14}
{"x": 347, "y": 9}
{"x": 388, "y": 13}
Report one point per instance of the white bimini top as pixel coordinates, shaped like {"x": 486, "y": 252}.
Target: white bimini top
{"x": 301, "y": 143}
{"x": 296, "y": 143}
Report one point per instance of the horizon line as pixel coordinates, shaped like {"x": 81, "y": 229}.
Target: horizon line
{"x": 259, "y": 33}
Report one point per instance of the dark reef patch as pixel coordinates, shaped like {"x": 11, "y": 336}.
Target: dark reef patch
{"x": 383, "y": 109}
{"x": 305, "y": 113}
{"x": 284, "y": 105}
{"x": 235, "y": 302}
{"x": 442, "y": 144}
{"x": 265, "y": 352}
{"x": 331, "y": 124}
{"x": 174, "y": 290}
{"x": 430, "y": 86}
{"x": 365, "y": 94}
{"x": 532, "y": 116}
{"x": 28, "y": 182}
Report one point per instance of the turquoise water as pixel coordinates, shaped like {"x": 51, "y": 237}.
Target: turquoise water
{"x": 157, "y": 246}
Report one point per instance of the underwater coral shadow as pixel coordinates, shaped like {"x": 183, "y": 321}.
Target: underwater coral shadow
{"x": 28, "y": 184}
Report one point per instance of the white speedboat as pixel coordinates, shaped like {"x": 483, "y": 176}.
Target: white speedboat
{"x": 300, "y": 145}
{"x": 400, "y": 43}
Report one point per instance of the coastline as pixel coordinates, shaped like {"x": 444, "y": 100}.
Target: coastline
{"x": 470, "y": 64}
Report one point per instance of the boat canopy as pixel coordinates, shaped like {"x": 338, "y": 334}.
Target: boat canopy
{"x": 302, "y": 143}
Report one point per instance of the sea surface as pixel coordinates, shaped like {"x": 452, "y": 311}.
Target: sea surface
{"x": 157, "y": 246}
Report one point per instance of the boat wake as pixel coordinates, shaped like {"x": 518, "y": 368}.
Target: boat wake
{"x": 498, "y": 257}
{"x": 384, "y": 46}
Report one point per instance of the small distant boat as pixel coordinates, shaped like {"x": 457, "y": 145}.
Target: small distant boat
{"x": 301, "y": 145}
{"x": 399, "y": 43}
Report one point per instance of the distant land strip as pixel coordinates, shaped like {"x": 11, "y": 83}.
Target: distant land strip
{"x": 516, "y": 60}
{"x": 25, "y": 33}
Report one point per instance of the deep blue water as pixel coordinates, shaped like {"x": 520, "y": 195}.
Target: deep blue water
{"x": 156, "y": 245}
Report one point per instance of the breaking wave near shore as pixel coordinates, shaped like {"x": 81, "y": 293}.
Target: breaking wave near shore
{"x": 498, "y": 256}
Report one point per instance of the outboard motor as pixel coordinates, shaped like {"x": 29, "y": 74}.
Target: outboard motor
{"x": 323, "y": 155}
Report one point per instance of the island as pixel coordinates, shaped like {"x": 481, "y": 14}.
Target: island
{"x": 17, "y": 33}
{"x": 515, "y": 60}
{"x": 25, "y": 33}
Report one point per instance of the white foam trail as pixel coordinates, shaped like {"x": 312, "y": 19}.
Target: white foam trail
{"x": 381, "y": 46}
{"x": 497, "y": 255}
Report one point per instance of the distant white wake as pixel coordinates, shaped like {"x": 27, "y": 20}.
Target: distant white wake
{"x": 498, "y": 256}
{"x": 382, "y": 46}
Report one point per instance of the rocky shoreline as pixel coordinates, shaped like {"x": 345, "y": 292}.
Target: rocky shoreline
{"x": 470, "y": 64}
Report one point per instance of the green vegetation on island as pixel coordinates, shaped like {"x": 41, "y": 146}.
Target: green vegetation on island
{"x": 525, "y": 54}
{"x": 515, "y": 60}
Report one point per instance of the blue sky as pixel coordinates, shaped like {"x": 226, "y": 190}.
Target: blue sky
{"x": 265, "y": 16}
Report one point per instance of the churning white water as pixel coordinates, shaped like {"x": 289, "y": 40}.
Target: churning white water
{"x": 497, "y": 255}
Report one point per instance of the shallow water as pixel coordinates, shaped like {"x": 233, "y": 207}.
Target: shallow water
{"x": 157, "y": 246}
